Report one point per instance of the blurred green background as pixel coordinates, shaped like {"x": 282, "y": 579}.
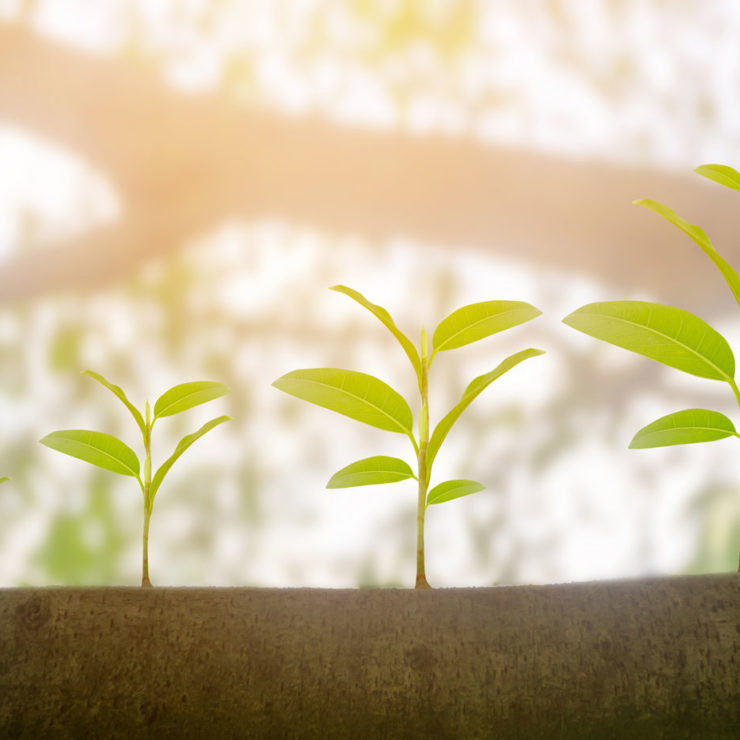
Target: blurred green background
{"x": 180, "y": 183}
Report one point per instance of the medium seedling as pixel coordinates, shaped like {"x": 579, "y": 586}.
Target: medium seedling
{"x": 112, "y": 454}
{"x": 673, "y": 336}
{"x": 367, "y": 399}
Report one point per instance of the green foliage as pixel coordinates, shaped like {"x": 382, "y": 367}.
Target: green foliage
{"x": 684, "y": 427}
{"x": 371, "y": 471}
{"x": 368, "y": 399}
{"x": 669, "y": 335}
{"x": 96, "y": 448}
{"x": 4, "y": 478}
{"x": 673, "y": 336}
{"x": 110, "y": 453}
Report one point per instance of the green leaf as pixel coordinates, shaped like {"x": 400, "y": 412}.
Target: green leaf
{"x": 684, "y": 427}
{"x": 96, "y": 448}
{"x": 370, "y": 471}
{"x": 182, "y": 445}
{"x": 357, "y": 395}
{"x": 118, "y": 391}
{"x": 475, "y": 387}
{"x": 669, "y": 335}
{"x": 4, "y": 478}
{"x": 186, "y": 395}
{"x": 478, "y": 320}
{"x": 452, "y": 489}
{"x": 721, "y": 173}
{"x": 381, "y": 313}
{"x": 698, "y": 235}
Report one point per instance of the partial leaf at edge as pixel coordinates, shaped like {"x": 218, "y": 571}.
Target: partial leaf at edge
{"x": 371, "y": 471}
{"x": 452, "y": 489}
{"x": 182, "y": 445}
{"x": 360, "y": 396}
{"x": 697, "y": 234}
{"x": 479, "y": 320}
{"x": 721, "y": 173}
{"x": 684, "y": 427}
{"x": 4, "y": 478}
{"x": 382, "y": 314}
{"x": 187, "y": 395}
{"x": 118, "y": 391}
{"x": 666, "y": 334}
{"x": 475, "y": 387}
{"x": 96, "y": 448}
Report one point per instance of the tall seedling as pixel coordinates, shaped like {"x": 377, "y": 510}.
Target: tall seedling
{"x": 673, "y": 336}
{"x": 112, "y": 454}
{"x": 367, "y": 399}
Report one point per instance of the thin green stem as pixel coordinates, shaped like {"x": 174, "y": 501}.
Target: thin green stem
{"x": 145, "y": 554}
{"x": 421, "y": 580}
{"x": 147, "y": 497}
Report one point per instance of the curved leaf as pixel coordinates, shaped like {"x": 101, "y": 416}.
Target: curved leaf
{"x": 371, "y": 471}
{"x": 478, "y": 320}
{"x": 381, "y": 313}
{"x": 118, "y": 391}
{"x": 452, "y": 489}
{"x": 357, "y": 395}
{"x": 669, "y": 335}
{"x": 182, "y": 445}
{"x": 698, "y": 235}
{"x": 4, "y": 478}
{"x": 475, "y": 387}
{"x": 721, "y": 173}
{"x": 96, "y": 448}
{"x": 684, "y": 427}
{"x": 186, "y": 395}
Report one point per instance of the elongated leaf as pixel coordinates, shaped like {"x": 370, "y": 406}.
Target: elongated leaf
{"x": 357, "y": 395}
{"x": 4, "y": 478}
{"x": 452, "y": 489}
{"x": 721, "y": 173}
{"x": 698, "y": 235}
{"x": 182, "y": 445}
{"x": 478, "y": 320}
{"x": 475, "y": 387}
{"x": 684, "y": 427}
{"x": 118, "y": 391}
{"x": 186, "y": 395}
{"x": 669, "y": 335}
{"x": 96, "y": 448}
{"x": 381, "y": 313}
{"x": 371, "y": 471}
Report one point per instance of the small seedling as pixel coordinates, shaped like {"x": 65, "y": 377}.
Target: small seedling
{"x": 112, "y": 454}
{"x": 673, "y": 336}
{"x": 367, "y": 399}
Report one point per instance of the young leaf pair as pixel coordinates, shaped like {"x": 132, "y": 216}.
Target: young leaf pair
{"x": 110, "y": 453}
{"x": 673, "y": 336}
{"x": 367, "y": 399}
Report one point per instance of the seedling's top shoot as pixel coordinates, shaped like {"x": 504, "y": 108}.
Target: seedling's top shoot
{"x": 673, "y": 336}
{"x": 110, "y": 453}
{"x": 369, "y": 400}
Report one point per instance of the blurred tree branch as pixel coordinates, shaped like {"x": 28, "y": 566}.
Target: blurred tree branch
{"x": 183, "y": 163}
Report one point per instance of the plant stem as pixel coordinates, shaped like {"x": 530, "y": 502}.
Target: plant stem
{"x": 147, "y": 499}
{"x": 145, "y": 555}
{"x": 421, "y": 580}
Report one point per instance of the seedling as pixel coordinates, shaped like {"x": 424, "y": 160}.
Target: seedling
{"x": 367, "y": 399}
{"x": 673, "y": 336}
{"x": 4, "y": 478}
{"x": 112, "y": 454}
